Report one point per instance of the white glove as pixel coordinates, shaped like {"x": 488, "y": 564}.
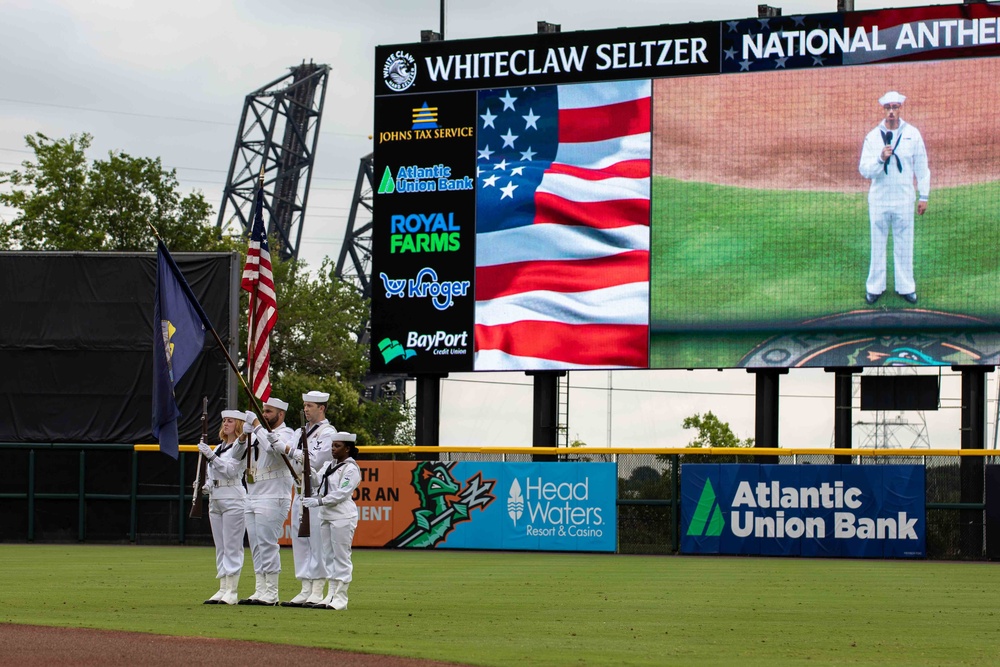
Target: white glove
{"x": 276, "y": 444}
{"x": 251, "y": 418}
{"x": 205, "y": 450}
{"x": 311, "y": 502}
{"x": 206, "y": 490}
{"x": 247, "y": 427}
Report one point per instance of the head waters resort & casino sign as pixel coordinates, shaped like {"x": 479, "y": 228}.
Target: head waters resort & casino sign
{"x": 576, "y": 200}
{"x": 874, "y": 511}
{"x": 466, "y": 505}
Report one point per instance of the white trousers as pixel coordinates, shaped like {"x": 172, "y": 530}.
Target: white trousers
{"x": 264, "y": 519}
{"x": 899, "y": 220}
{"x": 307, "y": 552}
{"x": 227, "y": 518}
{"x": 338, "y": 536}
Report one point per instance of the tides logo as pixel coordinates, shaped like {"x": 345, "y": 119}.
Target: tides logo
{"x": 897, "y": 335}
{"x": 444, "y": 502}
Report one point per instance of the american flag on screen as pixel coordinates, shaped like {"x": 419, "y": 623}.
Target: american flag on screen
{"x": 263, "y": 311}
{"x": 562, "y": 227}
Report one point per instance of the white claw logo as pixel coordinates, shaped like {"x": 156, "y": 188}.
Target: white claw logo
{"x": 399, "y": 71}
{"x": 515, "y": 502}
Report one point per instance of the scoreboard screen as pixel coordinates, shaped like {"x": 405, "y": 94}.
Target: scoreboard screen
{"x": 816, "y": 190}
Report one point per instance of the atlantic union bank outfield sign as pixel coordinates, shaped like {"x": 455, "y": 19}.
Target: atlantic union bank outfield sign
{"x": 863, "y": 511}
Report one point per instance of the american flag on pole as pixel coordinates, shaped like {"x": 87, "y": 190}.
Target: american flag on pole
{"x": 562, "y": 227}
{"x": 263, "y": 311}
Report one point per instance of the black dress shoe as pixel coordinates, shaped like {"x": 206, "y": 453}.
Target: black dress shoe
{"x": 210, "y": 601}
{"x": 290, "y": 604}
{"x": 872, "y": 298}
{"x": 911, "y": 297}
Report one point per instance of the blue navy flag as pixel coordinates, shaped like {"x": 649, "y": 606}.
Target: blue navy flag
{"x": 178, "y": 336}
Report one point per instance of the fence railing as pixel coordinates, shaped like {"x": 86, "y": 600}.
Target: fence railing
{"x": 121, "y": 492}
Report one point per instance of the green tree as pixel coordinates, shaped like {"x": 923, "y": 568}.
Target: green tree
{"x": 315, "y": 346}
{"x": 712, "y": 432}
{"x": 66, "y": 202}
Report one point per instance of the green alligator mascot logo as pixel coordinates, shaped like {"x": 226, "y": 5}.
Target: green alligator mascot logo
{"x": 443, "y": 504}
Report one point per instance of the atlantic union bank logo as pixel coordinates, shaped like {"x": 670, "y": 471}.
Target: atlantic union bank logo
{"x": 707, "y": 520}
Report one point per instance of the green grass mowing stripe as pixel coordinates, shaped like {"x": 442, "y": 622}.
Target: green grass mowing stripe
{"x": 765, "y": 255}
{"x": 541, "y": 609}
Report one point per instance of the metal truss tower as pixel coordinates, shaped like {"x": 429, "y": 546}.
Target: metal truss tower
{"x": 354, "y": 263}
{"x": 278, "y": 133}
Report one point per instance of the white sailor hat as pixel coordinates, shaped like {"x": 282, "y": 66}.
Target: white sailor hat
{"x": 315, "y": 397}
{"x": 276, "y": 403}
{"x": 234, "y": 414}
{"x": 344, "y": 436}
{"x": 892, "y": 97}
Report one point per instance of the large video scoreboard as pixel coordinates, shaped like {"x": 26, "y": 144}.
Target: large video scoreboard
{"x": 817, "y": 190}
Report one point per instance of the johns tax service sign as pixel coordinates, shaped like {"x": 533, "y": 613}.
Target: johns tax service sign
{"x": 863, "y": 511}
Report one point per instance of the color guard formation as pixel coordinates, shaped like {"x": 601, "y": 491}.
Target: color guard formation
{"x": 254, "y": 475}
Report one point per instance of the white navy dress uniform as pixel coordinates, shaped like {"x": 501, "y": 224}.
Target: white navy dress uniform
{"x": 335, "y": 484}
{"x": 269, "y": 495}
{"x": 226, "y": 508}
{"x": 307, "y": 552}
{"x": 891, "y": 199}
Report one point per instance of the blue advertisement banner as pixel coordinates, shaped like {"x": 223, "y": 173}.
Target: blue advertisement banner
{"x": 541, "y": 507}
{"x": 874, "y": 511}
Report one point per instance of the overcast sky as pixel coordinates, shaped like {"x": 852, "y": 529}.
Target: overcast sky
{"x": 169, "y": 80}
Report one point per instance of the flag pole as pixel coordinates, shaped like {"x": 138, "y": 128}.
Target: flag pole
{"x": 222, "y": 346}
{"x": 252, "y": 310}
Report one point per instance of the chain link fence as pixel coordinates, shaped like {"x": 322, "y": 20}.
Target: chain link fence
{"x": 62, "y": 493}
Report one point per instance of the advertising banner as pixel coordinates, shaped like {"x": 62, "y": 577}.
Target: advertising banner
{"x": 474, "y": 505}
{"x": 574, "y": 200}
{"x": 867, "y": 511}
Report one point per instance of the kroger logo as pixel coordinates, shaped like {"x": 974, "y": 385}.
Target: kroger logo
{"x": 426, "y": 285}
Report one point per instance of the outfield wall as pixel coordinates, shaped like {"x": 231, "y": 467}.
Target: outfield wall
{"x": 125, "y": 493}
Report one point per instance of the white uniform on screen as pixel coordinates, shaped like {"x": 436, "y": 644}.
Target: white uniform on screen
{"x": 893, "y": 157}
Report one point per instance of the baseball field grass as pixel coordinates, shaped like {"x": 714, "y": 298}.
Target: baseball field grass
{"x": 727, "y": 257}
{"x": 732, "y": 267}
{"x": 484, "y": 608}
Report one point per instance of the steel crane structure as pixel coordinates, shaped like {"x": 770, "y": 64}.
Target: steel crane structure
{"x": 278, "y": 133}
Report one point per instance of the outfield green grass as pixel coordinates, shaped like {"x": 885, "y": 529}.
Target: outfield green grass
{"x": 732, "y": 267}
{"x": 727, "y": 257}
{"x": 541, "y": 609}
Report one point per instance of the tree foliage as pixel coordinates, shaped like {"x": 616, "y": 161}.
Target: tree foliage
{"x": 713, "y": 432}
{"x": 315, "y": 346}
{"x": 66, "y": 202}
